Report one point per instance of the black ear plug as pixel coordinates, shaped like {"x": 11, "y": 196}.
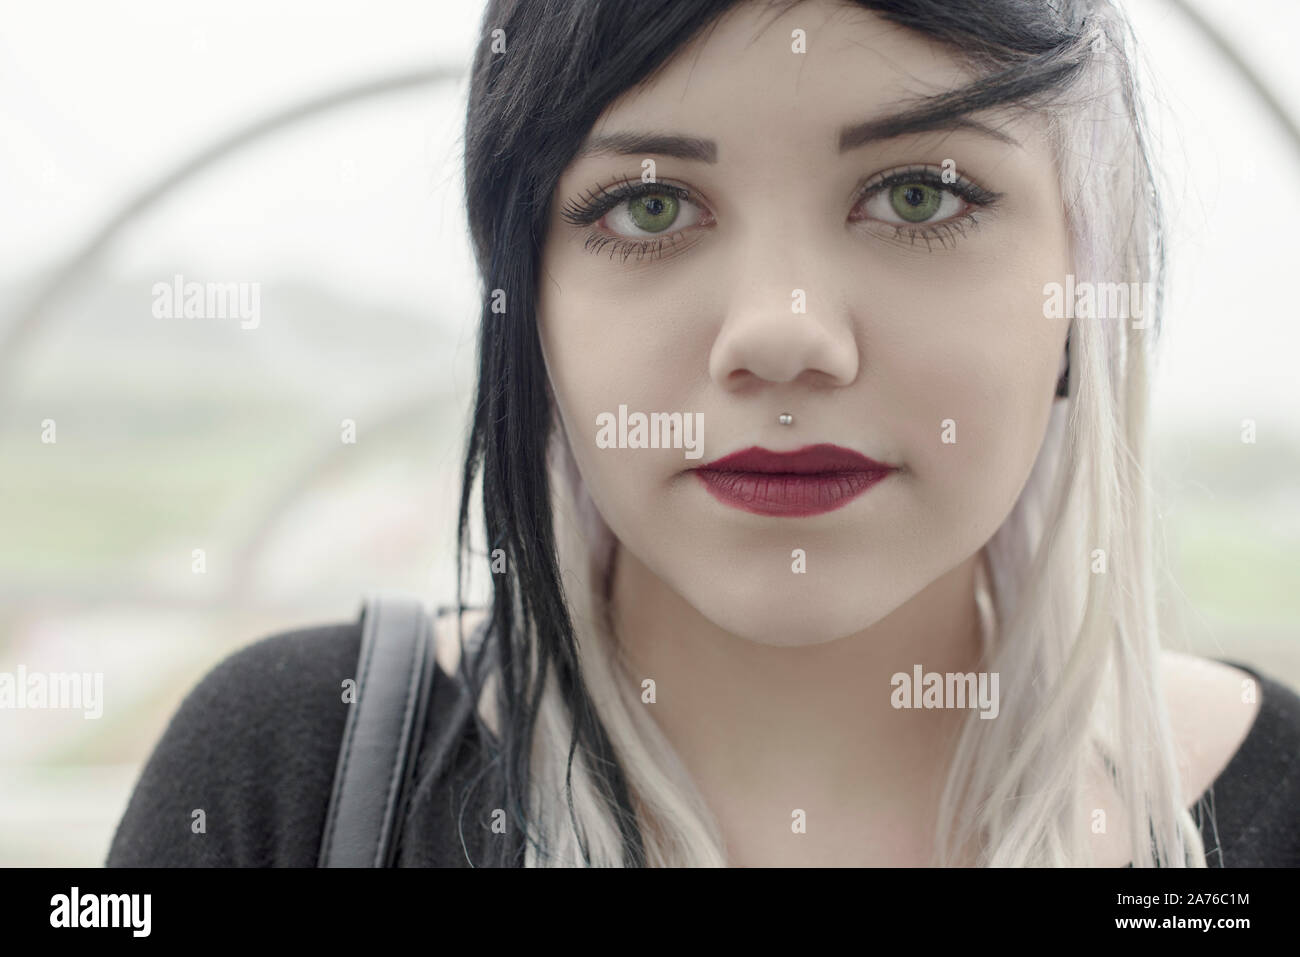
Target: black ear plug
{"x": 1063, "y": 383}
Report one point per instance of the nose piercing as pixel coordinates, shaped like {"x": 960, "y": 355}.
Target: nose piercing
{"x": 785, "y": 418}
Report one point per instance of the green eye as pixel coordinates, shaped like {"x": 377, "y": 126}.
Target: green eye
{"x": 915, "y": 202}
{"x": 654, "y": 212}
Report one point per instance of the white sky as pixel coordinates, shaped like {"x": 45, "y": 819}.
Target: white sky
{"x": 99, "y": 98}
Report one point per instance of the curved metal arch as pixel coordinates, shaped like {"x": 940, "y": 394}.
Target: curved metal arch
{"x": 1237, "y": 60}
{"x": 29, "y": 316}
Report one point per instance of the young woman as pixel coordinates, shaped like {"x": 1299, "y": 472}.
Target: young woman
{"x": 811, "y": 433}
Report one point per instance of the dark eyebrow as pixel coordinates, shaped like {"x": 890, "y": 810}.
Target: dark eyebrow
{"x": 657, "y": 144}
{"x": 937, "y": 113}
{"x": 934, "y": 113}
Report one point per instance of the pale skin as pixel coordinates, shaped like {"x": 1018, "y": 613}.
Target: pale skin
{"x": 762, "y": 673}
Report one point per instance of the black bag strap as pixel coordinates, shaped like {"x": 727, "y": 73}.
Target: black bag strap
{"x": 381, "y": 739}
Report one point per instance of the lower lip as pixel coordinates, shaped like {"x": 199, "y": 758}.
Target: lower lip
{"x": 785, "y": 493}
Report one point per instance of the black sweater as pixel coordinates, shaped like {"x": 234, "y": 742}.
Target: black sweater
{"x": 255, "y": 744}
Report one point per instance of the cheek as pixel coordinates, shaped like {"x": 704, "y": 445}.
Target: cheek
{"x": 605, "y": 348}
{"x": 974, "y": 398}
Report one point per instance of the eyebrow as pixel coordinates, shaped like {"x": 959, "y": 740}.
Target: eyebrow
{"x": 938, "y": 116}
{"x": 658, "y": 144}
{"x": 906, "y": 123}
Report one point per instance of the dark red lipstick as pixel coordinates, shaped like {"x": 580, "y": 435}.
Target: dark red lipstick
{"x": 808, "y": 481}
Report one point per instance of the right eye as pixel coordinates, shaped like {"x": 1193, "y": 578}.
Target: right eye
{"x": 652, "y": 213}
{"x": 636, "y": 210}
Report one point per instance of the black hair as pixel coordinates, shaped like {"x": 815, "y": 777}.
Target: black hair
{"x": 529, "y": 109}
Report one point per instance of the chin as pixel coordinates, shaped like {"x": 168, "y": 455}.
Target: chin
{"x": 773, "y": 613}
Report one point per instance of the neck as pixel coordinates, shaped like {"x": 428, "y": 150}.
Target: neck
{"x": 764, "y": 730}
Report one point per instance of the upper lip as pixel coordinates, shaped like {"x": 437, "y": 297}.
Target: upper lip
{"x": 809, "y": 460}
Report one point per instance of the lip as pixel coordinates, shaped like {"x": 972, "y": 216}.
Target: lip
{"x": 808, "y": 481}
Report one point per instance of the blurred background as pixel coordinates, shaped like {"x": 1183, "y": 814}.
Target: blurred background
{"x": 313, "y": 150}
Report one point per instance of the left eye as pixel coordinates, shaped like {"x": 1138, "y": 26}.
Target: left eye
{"x": 651, "y": 214}
{"x": 913, "y": 203}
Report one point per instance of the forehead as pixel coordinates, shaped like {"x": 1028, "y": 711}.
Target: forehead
{"x": 800, "y": 76}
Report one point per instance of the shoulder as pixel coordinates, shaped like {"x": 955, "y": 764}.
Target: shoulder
{"x": 242, "y": 773}
{"x": 1237, "y": 734}
{"x": 450, "y": 817}
{"x": 1212, "y": 706}
{"x": 447, "y": 645}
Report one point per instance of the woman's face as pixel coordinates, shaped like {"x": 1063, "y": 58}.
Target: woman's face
{"x": 897, "y": 317}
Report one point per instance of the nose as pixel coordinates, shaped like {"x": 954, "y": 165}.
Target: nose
{"x": 777, "y": 330}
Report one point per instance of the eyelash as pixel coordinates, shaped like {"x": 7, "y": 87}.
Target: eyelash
{"x": 944, "y": 232}
{"x": 594, "y": 204}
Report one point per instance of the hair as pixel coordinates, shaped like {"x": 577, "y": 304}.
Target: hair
{"x": 584, "y": 774}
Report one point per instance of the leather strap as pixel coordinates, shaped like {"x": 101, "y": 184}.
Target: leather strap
{"x": 381, "y": 739}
